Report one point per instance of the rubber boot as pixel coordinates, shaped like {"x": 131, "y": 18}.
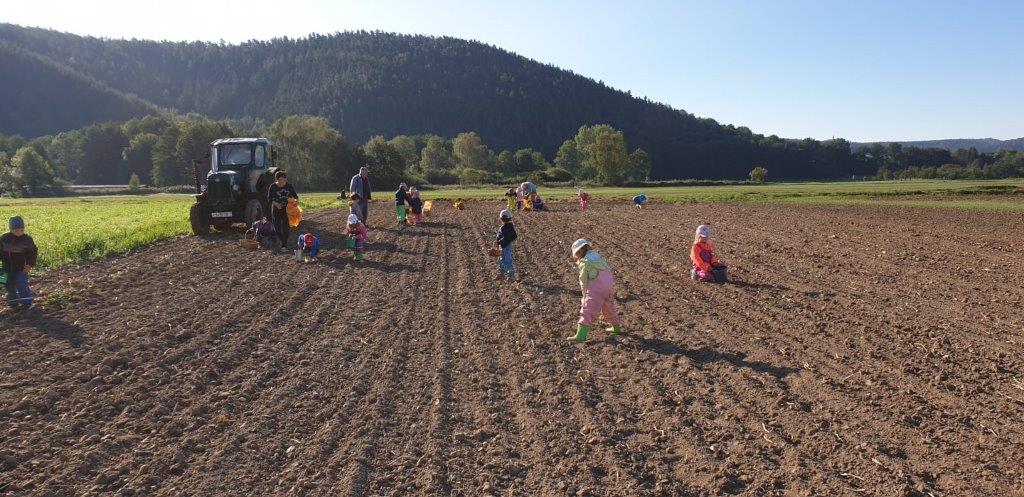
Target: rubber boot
{"x": 359, "y": 256}
{"x": 614, "y": 330}
{"x": 581, "y": 333}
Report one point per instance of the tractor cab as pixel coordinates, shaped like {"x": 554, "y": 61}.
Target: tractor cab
{"x": 241, "y": 171}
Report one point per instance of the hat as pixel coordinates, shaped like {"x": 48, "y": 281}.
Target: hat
{"x": 353, "y": 219}
{"x": 578, "y": 244}
{"x": 280, "y": 174}
{"x": 506, "y": 213}
{"x": 703, "y": 231}
{"x": 402, "y": 185}
{"x": 17, "y": 223}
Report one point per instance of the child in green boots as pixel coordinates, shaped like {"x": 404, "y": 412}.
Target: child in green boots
{"x": 598, "y": 285}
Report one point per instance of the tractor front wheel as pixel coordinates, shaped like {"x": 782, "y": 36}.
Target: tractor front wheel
{"x": 253, "y": 212}
{"x": 199, "y": 220}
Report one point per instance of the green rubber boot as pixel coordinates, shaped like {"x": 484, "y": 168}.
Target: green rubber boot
{"x": 581, "y": 333}
{"x": 614, "y": 330}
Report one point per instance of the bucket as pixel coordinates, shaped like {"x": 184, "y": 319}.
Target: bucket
{"x": 298, "y": 254}
{"x": 719, "y": 274}
{"x": 350, "y": 243}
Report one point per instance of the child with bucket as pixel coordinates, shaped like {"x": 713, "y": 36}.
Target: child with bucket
{"x": 309, "y": 247}
{"x": 584, "y": 199}
{"x": 401, "y": 202}
{"x": 356, "y": 232}
{"x": 18, "y": 254}
{"x": 598, "y": 285}
{"x": 706, "y": 266}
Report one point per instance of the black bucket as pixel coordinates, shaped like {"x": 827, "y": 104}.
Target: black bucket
{"x": 719, "y": 274}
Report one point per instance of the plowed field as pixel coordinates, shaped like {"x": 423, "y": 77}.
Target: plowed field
{"x": 859, "y": 351}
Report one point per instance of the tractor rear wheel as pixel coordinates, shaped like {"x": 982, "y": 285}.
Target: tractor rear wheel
{"x": 253, "y": 212}
{"x": 199, "y": 220}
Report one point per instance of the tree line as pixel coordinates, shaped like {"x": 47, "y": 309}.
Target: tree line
{"x": 158, "y": 151}
{"x": 895, "y": 161}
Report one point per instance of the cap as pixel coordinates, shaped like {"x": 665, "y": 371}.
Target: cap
{"x": 16, "y": 223}
{"x": 703, "y": 231}
{"x": 506, "y": 213}
{"x": 353, "y": 219}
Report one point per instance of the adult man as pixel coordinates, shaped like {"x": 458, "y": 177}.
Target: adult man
{"x": 360, "y": 185}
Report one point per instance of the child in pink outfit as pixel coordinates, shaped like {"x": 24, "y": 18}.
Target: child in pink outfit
{"x": 598, "y": 285}
{"x": 519, "y": 198}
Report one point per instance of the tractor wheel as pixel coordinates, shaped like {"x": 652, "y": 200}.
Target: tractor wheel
{"x": 253, "y": 212}
{"x": 197, "y": 217}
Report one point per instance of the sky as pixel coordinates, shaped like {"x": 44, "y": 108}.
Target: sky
{"x": 864, "y": 71}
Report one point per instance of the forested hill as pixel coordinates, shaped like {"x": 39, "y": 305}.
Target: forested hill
{"x": 39, "y": 96}
{"x": 388, "y": 84}
{"x": 982, "y": 145}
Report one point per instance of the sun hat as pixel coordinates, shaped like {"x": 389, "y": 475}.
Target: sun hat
{"x": 16, "y": 223}
{"x": 353, "y": 219}
{"x": 578, "y": 244}
{"x": 703, "y": 231}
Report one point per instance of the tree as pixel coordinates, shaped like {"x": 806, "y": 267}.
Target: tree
{"x": 384, "y": 160}
{"x": 133, "y": 182}
{"x": 639, "y": 165}
{"x": 505, "y": 163}
{"x": 758, "y": 175}
{"x": 29, "y": 173}
{"x": 608, "y": 157}
{"x": 568, "y": 157}
{"x": 315, "y": 154}
{"x": 100, "y": 152}
{"x": 139, "y": 155}
{"x": 165, "y": 170}
{"x": 470, "y": 152}
{"x": 436, "y": 156}
{"x": 409, "y": 147}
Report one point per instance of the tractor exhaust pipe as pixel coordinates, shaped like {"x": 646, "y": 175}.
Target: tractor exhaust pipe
{"x": 195, "y": 175}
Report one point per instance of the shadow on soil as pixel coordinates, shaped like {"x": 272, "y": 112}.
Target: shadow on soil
{"x": 707, "y": 355}
{"x": 56, "y": 329}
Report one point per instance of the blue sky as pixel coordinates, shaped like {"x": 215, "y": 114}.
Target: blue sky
{"x": 860, "y": 70}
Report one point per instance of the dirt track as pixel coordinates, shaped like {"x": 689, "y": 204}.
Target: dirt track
{"x": 860, "y": 351}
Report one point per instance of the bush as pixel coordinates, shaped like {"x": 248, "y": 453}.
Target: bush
{"x": 133, "y": 182}
{"x": 557, "y": 174}
{"x": 440, "y": 177}
{"x": 758, "y": 175}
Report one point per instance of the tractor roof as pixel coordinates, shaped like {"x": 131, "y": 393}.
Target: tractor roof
{"x": 224, "y": 141}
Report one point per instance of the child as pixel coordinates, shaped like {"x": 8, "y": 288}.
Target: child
{"x": 310, "y": 246}
{"x": 519, "y": 198}
{"x": 702, "y": 255}
{"x": 416, "y": 205}
{"x": 18, "y": 254}
{"x": 584, "y": 199}
{"x": 510, "y": 199}
{"x": 506, "y": 235}
{"x": 597, "y": 284}
{"x": 639, "y": 201}
{"x": 401, "y": 201}
{"x": 356, "y": 230}
{"x": 265, "y": 233}
{"x": 354, "y": 207}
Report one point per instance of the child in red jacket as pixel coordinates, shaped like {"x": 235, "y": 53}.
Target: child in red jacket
{"x": 702, "y": 256}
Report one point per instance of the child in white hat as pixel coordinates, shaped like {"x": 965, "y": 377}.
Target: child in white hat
{"x": 356, "y": 230}
{"x": 598, "y": 286}
{"x": 702, "y": 255}
{"x": 506, "y": 235}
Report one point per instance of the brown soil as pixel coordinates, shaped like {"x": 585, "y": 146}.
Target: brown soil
{"x": 858, "y": 351}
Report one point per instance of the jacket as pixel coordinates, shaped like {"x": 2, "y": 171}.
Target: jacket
{"x": 281, "y": 194}
{"x": 506, "y": 234}
{"x": 590, "y": 265}
{"x": 702, "y": 256}
{"x": 361, "y": 186}
{"x": 17, "y": 252}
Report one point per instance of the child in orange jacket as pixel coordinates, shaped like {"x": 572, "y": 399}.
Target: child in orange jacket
{"x": 702, "y": 255}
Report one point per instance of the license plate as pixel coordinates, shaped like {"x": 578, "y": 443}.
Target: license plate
{"x": 221, "y": 214}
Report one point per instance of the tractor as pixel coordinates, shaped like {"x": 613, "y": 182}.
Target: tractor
{"x": 241, "y": 171}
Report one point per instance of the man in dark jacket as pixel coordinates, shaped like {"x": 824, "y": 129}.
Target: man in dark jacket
{"x": 360, "y": 184}
{"x": 18, "y": 255}
{"x": 277, "y": 197}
